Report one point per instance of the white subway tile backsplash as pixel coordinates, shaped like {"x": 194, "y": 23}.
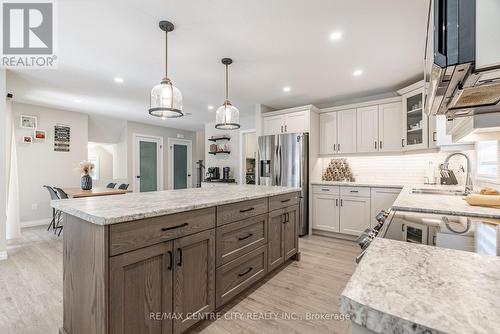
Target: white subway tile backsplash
{"x": 401, "y": 168}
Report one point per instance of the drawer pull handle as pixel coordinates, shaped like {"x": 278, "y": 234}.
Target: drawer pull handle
{"x": 180, "y": 257}
{"x": 245, "y": 237}
{"x": 247, "y": 210}
{"x": 246, "y": 272}
{"x": 171, "y": 260}
{"x": 286, "y": 200}
{"x": 174, "y": 227}
{"x": 355, "y": 191}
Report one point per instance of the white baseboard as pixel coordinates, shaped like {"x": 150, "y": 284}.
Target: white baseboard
{"x": 39, "y": 222}
{"x": 3, "y": 255}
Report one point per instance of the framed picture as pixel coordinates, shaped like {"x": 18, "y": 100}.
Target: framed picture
{"x": 39, "y": 135}
{"x": 27, "y": 139}
{"x": 62, "y": 135}
{"x": 28, "y": 122}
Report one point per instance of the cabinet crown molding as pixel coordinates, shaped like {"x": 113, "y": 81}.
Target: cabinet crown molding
{"x": 308, "y": 107}
{"x": 362, "y": 104}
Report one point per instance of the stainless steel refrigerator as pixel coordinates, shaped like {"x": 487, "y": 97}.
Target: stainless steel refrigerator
{"x": 284, "y": 161}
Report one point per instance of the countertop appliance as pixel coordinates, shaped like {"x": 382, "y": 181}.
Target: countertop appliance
{"x": 225, "y": 173}
{"x": 213, "y": 173}
{"x": 455, "y": 232}
{"x": 284, "y": 161}
{"x": 462, "y": 58}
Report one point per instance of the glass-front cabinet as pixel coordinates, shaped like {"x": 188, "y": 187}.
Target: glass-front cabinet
{"x": 415, "y": 121}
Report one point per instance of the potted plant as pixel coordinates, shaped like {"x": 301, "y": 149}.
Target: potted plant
{"x": 86, "y": 168}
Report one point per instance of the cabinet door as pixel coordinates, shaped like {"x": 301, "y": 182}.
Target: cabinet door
{"x": 390, "y": 133}
{"x": 275, "y": 239}
{"x": 415, "y": 121}
{"x": 433, "y": 135}
{"x": 328, "y": 133}
{"x": 273, "y": 125}
{"x": 291, "y": 231}
{"x": 382, "y": 199}
{"x": 141, "y": 284}
{"x": 367, "y": 133}
{"x": 325, "y": 212}
{"x": 297, "y": 122}
{"x": 346, "y": 121}
{"x": 251, "y": 146}
{"x": 194, "y": 277}
{"x": 354, "y": 215}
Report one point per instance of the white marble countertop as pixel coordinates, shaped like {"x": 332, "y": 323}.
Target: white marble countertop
{"x": 357, "y": 184}
{"x": 105, "y": 210}
{"x": 440, "y": 204}
{"x": 405, "y": 288}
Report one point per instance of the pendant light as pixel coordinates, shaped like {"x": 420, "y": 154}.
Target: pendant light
{"x": 227, "y": 116}
{"x": 166, "y": 99}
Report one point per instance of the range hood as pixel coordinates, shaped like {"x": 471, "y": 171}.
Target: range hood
{"x": 462, "y": 59}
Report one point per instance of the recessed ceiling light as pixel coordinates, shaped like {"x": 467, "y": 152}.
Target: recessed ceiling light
{"x": 210, "y": 107}
{"x": 357, "y": 73}
{"x": 77, "y": 101}
{"x": 335, "y": 36}
{"x": 118, "y": 80}
{"x": 286, "y": 89}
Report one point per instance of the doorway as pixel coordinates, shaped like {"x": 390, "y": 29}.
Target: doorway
{"x": 248, "y": 156}
{"x": 148, "y": 163}
{"x": 180, "y": 161}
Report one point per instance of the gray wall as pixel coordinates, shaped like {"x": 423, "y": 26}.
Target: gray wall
{"x": 3, "y": 163}
{"x": 39, "y": 164}
{"x": 145, "y": 129}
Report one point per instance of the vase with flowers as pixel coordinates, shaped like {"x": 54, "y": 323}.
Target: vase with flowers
{"x": 86, "y": 168}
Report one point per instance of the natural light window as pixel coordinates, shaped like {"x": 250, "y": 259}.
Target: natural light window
{"x": 487, "y": 159}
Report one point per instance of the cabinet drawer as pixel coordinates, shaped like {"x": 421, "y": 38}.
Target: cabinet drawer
{"x": 332, "y": 190}
{"x": 236, "y": 239}
{"x": 282, "y": 201}
{"x": 237, "y": 211}
{"x": 128, "y": 236}
{"x": 355, "y": 191}
{"x": 236, "y": 276}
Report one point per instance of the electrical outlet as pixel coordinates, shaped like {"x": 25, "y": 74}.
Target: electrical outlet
{"x": 34, "y": 206}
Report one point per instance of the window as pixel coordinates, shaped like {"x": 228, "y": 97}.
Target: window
{"x": 487, "y": 159}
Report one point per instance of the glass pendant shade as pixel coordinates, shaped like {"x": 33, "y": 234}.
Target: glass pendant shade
{"x": 227, "y": 117}
{"x": 166, "y": 100}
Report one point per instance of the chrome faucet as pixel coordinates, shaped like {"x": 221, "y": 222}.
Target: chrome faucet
{"x": 468, "y": 180}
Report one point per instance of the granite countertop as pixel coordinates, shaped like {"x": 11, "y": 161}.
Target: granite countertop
{"x": 357, "y": 184}
{"x": 405, "y": 288}
{"x": 440, "y": 204}
{"x": 105, "y": 210}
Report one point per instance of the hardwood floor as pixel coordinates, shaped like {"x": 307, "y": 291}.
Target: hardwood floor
{"x": 31, "y": 290}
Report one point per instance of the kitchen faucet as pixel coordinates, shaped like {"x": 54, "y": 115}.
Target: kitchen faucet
{"x": 468, "y": 180}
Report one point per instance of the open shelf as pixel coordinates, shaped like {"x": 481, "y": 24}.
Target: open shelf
{"x": 220, "y": 152}
{"x": 414, "y": 111}
{"x": 414, "y": 130}
{"x": 214, "y": 139}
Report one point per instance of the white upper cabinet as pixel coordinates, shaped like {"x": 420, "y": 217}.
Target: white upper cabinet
{"x": 390, "y": 132}
{"x": 328, "y": 133}
{"x": 273, "y": 125}
{"x": 346, "y": 131}
{"x": 415, "y": 121}
{"x": 367, "y": 129}
{"x": 283, "y": 122}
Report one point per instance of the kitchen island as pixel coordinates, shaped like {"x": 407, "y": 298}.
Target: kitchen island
{"x": 161, "y": 262}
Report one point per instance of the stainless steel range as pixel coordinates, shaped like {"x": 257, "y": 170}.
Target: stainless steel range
{"x": 470, "y": 234}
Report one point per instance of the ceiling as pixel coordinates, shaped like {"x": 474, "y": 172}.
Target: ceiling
{"x": 273, "y": 43}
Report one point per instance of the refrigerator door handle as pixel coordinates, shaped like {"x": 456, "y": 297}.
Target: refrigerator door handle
{"x": 279, "y": 168}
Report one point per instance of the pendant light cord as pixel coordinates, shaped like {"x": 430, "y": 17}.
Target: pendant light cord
{"x": 166, "y": 54}
{"x": 227, "y": 89}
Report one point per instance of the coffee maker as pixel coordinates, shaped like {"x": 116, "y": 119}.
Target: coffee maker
{"x": 213, "y": 173}
{"x": 225, "y": 173}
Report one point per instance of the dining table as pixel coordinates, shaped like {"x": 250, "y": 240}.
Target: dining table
{"x": 96, "y": 191}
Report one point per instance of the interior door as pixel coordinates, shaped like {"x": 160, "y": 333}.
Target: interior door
{"x": 194, "y": 278}
{"x": 148, "y": 164}
{"x": 144, "y": 274}
{"x": 180, "y": 164}
{"x": 367, "y": 129}
{"x": 346, "y": 127}
{"x": 390, "y": 132}
{"x": 328, "y": 133}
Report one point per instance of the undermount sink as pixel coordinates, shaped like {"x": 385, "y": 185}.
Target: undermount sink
{"x": 430, "y": 191}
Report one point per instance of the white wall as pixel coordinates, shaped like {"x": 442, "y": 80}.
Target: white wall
{"x": 39, "y": 164}
{"x": 104, "y": 153}
{"x": 104, "y": 129}
{"x": 400, "y": 168}
{"x": 3, "y": 164}
{"x": 145, "y": 129}
{"x": 227, "y": 160}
